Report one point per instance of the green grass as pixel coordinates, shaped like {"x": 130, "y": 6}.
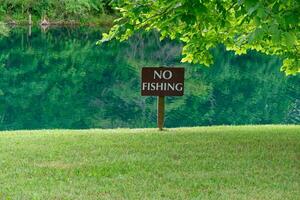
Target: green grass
{"x": 242, "y": 162}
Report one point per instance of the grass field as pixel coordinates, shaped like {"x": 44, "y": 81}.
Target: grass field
{"x": 242, "y": 162}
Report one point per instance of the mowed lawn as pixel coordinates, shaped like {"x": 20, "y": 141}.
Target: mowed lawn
{"x": 222, "y": 162}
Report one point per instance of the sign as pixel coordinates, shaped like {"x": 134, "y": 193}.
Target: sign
{"x": 162, "y": 81}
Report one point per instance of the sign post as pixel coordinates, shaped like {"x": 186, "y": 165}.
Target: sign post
{"x": 160, "y": 112}
{"x": 161, "y": 82}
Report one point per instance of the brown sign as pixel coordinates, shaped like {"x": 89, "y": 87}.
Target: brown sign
{"x": 162, "y": 81}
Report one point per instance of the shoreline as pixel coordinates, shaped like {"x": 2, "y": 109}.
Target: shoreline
{"x": 103, "y": 20}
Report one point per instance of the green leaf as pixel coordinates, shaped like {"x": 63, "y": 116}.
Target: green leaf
{"x": 261, "y": 12}
{"x": 290, "y": 38}
{"x": 255, "y": 36}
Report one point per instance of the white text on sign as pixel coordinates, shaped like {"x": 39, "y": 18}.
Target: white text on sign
{"x": 162, "y": 81}
{"x": 160, "y": 74}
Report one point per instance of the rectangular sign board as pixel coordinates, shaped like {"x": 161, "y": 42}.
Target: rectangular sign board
{"x": 162, "y": 81}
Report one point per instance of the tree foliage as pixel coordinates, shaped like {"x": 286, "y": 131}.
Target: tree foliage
{"x": 268, "y": 26}
{"x": 53, "y": 8}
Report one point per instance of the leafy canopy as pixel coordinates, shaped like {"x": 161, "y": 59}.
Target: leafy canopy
{"x": 268, "y": 26}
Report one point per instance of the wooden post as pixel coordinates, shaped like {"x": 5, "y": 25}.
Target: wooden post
{"x": 29, "y": 19}
{"x": 29, "y": 31}
{"x": 160, "y": 112}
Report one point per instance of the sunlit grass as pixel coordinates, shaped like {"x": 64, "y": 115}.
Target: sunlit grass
{"x": 222, "y": 162}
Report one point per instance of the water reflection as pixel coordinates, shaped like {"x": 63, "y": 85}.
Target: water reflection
{"x": 59, "y": 78}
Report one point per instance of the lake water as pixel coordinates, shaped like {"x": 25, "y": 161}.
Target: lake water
{"x": 60, "y": 78}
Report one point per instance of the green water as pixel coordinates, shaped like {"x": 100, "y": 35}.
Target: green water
{"x": 60, "y": 79}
